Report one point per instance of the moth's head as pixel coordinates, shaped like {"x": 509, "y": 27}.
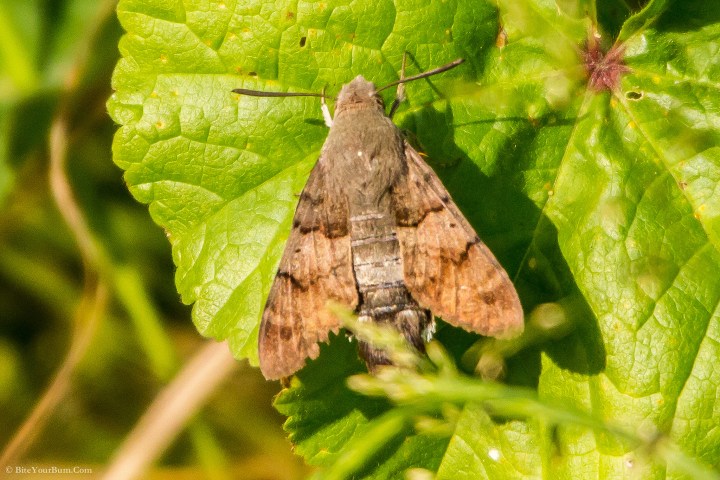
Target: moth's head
{"x": 358, "y": 94}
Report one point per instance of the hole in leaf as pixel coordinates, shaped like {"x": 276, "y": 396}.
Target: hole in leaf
{"x": 302, "y": 41}
{"x": 633, "y": 95}
{"x": 252, "y": 74}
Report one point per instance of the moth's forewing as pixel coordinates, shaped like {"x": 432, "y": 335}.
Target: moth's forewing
{"x": 447, "y": 268}
{"x": 316, "y": 267}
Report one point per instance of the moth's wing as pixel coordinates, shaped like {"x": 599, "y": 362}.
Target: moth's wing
{"x": 316, "y": 267}
{"x": 447, "y": 268}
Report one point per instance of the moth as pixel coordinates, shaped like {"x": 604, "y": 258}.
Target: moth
{"x": 376, "y": 231}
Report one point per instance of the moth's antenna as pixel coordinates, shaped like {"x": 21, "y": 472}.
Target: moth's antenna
{"x": 429, "y": 73}
{"x": 434, "y": 71}
{"x": 259, "y": 93}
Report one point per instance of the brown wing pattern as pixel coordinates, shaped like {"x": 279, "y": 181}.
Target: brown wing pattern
{"x": 447, "y": 268}
{"x": 316, "y": 267}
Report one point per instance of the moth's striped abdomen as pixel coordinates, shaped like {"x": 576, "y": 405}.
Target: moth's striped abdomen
{"x": 378, "y": 267}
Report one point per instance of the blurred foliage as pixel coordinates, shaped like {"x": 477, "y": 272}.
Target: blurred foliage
{"x": 43, "y": 43}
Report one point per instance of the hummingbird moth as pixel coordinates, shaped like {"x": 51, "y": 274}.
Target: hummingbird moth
{"x": 376, "y": 231}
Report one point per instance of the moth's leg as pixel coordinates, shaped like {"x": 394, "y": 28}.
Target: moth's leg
{"x": 429, "y": 330}
{"x": 400, "y": 93}
{"x": 325, "y": 110}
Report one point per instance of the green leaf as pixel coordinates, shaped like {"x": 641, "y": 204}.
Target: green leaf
{"x": 643, "y": 19}
{"x": 39, "y": 44}
{"x": 7, "y": 175}
{"x": 18, "y": 78}
{"x": 19, "y": 28}
{"x": 480, "y": 448}
{"x": 601, "y": 195}
{"x": 638, "y": 227}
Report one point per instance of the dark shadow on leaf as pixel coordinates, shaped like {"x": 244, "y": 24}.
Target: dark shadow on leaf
{"x": 321, "y": 407}
{"x": 322, "y": 398}
{"x": 407, "y": 450}
{"x": 316, "y": 122}
{"x": 688, "y": 16}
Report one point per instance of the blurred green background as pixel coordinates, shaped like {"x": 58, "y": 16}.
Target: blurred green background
{"x": 56, "y": 61}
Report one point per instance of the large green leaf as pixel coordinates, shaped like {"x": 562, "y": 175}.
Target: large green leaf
{"x": 601, "y": 195}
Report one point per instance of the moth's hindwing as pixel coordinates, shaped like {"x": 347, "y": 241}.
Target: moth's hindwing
{"x": 447, "y": 268}
{"x": 316, "y": 267}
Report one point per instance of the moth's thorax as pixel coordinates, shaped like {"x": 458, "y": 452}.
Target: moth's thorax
{"x": 358, "y": 94}
{"x": 366, "y": 152}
